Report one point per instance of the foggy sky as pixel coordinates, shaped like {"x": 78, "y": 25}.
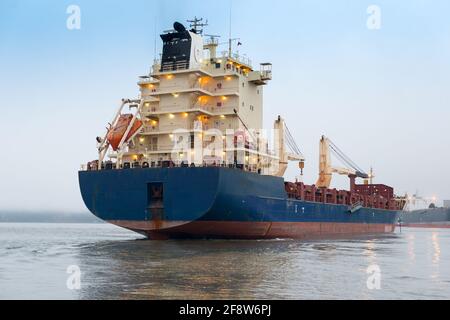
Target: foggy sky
{"x": 381, "y": 95}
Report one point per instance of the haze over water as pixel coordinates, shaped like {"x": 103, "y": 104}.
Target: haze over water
{"x": 117, "y": 264}
{"x": 370, "y": 91}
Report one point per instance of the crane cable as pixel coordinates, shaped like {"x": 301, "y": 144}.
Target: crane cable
{"x": 293, "y": 146}
{"x": 291, "y": 142}
{"x": 343, "y": 158}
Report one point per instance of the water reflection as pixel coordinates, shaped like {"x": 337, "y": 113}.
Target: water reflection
{"x": 436, "y": 247}
{"x": 411, "y": 247}
{"x": 370, "y": 252}
{"x": 220, "y": 269}
{"x": 436, "y": 255}
{"x": 177, "y": 270}
{"x": 115, "y": 266}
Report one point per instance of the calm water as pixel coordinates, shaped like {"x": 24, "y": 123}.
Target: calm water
{"x": 116, "y": 264}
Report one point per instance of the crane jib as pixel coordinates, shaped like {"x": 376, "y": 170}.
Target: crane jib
{"x": 362, "y": 175}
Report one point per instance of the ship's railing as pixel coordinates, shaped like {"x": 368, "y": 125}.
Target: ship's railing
{"x": 108, "y": 165}
{"x": 207, "y": 66}
{"x": 242, "y": 59}
{"x": 147, "y": 80}
{"x": 214, "y": 110}
{"x": 197, "y": 85}
{"x": 150, "y": 129}
{"x": 166, "y": 148}
{"x": 170, "y": 66}
{"x": 142, "y": 150}
{"x": 167, "y": 109}
{"x": 209, "y": 89}
{"x": 161, "y": 148}
{"x": 174, "y": 90}
{"x": 213, "y": 90}
{"x": 266, "y": 74}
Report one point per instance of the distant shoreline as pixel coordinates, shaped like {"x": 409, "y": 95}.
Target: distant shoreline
{"x": 48, "y": 217}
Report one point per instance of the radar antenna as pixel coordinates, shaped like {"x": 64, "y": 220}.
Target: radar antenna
{"x": 197, "y": 25}
{"x": 212, "y": 38}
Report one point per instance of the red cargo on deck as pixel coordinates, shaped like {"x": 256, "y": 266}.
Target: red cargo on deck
{"x": 375, "y": 189}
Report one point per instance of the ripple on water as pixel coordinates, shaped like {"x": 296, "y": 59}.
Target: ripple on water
{"x": 118, "y": 264}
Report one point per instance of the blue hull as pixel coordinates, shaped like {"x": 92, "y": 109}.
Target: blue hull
{"x": 218, "y": 203}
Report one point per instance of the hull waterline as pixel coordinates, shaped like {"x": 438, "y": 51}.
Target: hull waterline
{"x": 219, "y": 203}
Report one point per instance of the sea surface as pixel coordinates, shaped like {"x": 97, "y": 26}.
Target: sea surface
{"x": 117, "y": 264}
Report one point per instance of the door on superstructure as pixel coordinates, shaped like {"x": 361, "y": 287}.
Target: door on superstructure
{"x": 155, "y": 199}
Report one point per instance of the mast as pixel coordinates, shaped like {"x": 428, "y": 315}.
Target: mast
{"x": 229, "y": 34}
{"x": 197, "y": 25}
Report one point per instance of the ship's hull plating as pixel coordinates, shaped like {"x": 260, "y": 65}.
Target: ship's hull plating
{"x": 219, "y": 203}
{"x": 427, "y": 218}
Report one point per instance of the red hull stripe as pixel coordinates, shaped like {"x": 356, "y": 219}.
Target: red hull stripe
{"x": 258, "y": 230}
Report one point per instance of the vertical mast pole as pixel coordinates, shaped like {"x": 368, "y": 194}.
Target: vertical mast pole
{"x": 229, "y": 38}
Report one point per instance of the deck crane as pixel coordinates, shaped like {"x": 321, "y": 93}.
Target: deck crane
{"x": 284, "y": 140}
{"x": 326, "y": 169}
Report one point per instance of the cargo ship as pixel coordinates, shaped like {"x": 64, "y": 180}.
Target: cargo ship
{"x": 427, "y": 218}
{"x": 190, "y": 159}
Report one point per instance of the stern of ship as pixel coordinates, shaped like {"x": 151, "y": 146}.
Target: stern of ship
{"x": 150, "y": 201}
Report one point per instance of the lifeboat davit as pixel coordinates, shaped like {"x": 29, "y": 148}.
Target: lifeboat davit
{"x": 116, "y": 134}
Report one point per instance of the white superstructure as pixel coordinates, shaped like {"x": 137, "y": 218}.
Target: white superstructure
{"x": 199, "y": 107}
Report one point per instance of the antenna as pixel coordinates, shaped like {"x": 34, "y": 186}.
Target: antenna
{"x": 212, "y": 37}
{"x": 230, "y": 39}
{"x": 197, "y": 25}
{"x": 371, "y": 175}
{"x": 229, "y": 34}
{"x": 155, "y": 36}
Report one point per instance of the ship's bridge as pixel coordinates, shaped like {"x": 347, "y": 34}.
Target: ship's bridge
{"x": 194, "y": 89}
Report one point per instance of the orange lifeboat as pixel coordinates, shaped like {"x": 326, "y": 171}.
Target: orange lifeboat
{"x": 116, "y": 134}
